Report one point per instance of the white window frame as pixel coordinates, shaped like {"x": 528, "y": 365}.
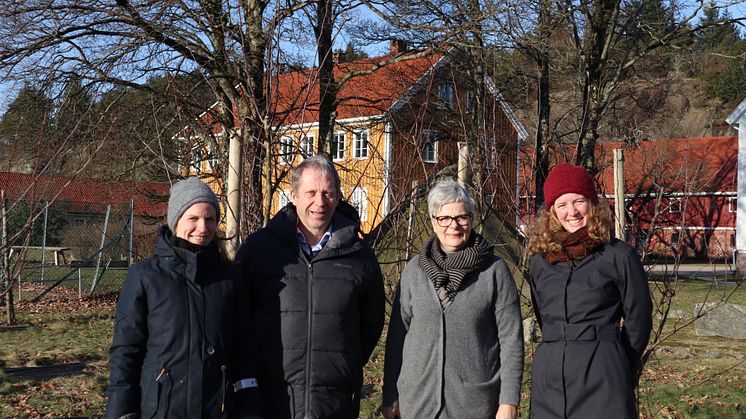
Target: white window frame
{"x": 79, "y": 222}
{"x": 359, "y": 200}
{"x": 196, "y": 163}
{"x": 732, "y": 204}
{"x": 212, "y": 157}
{"x": 283, "y": 198}
{"x": 339, "y": 152}
{"x": 447, "y": 93}
{"x": 360, "y": 146}
{"x": 307, "y": 145}
{"x": 429, "y": 146}
{"x": 286, "y": 149}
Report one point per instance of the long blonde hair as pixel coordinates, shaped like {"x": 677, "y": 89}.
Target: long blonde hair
{"x": 546, "y": 233}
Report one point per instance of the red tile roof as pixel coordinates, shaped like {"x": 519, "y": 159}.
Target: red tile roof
{"x": 707, "y": 164}
{"x": 365, "y": 95}
{"x": 89, "y": 196}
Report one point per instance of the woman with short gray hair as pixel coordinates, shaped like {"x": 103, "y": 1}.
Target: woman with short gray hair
{"x": 454, "y": 346}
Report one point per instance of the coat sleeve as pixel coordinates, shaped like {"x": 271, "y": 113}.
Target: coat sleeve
{"x": 372, "y": 309}
{"x": 636, "y": 303}
{"x": 128, "y": 347}
{"x": 401, "y": 314}
{"x": 532, "y": 286}
{"x": 510, "y": 335}
{"x": 243, "y": 359}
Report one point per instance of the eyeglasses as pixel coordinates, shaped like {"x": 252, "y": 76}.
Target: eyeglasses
{"x": 445, "y": 220}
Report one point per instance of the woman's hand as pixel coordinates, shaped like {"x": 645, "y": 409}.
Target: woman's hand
{"x": 507, "y": 411}
{"x": 390, "y": 412}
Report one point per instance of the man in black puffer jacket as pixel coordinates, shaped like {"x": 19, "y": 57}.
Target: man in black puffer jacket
{"x": 317, "y": 301}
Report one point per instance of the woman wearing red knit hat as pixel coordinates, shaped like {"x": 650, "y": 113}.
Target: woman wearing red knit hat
{"x": 592, "y": 302}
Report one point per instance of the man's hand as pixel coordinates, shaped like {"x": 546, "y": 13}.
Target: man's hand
{"x": 390, "y": 412}
{"x": 507, "y": 411}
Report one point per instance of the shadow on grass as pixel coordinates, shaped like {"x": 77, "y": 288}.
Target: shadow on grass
{"x": 46, "y": 372}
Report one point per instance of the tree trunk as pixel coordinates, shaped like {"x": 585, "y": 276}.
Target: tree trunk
{"x": 327, "y": 85}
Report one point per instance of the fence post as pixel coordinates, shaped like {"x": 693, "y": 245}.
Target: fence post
{"x": 619, "y": 192}
{"x": 7, "y": 283}
{"x": 44, "y": 240}
{"x": 132, "y": 228}
{"x": 101, "y": 248}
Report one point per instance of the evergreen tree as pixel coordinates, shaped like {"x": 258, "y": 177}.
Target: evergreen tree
{"x": 24, "y": 128}
{"x": 720, "y": 31}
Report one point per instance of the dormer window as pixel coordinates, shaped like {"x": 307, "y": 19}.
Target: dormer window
{"x": 446, "y": 94}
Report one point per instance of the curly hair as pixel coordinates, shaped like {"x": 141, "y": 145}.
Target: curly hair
{"x": 546, "y": 233}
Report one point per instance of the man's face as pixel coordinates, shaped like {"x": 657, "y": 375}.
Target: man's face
{"x": 315, "y": 199}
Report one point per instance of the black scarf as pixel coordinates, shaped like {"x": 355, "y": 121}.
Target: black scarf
{"x": 447, "y": 270}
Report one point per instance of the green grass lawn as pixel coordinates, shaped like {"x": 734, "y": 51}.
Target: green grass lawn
{"x": 683, "y": 379}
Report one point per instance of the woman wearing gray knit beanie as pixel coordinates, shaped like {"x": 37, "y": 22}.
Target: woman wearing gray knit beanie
{"x": 179, "y": 350}
{"x": 455, "y": 342}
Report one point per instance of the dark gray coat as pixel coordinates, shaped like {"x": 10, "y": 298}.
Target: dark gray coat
{"x": 461, "y": 362}
{"x": 586, "y": 367}
{"x": 316, "y": 321}
{"x": 174, "y": 354}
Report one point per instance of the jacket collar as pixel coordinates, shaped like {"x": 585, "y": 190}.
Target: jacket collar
{"x": 345, "y": 222}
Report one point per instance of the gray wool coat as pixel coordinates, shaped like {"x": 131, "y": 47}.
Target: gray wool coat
{"x": 461, "y": 362}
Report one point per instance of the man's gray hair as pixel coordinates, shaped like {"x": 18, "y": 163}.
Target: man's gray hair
{"x": 448, "y": 191}
{"x": 319, "y": 163}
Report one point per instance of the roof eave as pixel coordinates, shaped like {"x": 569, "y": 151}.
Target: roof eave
{"x": 735, "y": 117}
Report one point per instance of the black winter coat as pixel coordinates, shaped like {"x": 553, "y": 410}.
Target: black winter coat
{"x": 173, "y": 336}
{"x": 586, "y": 366}
{"x": 316, "y": 320}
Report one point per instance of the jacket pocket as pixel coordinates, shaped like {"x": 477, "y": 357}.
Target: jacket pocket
{"x": 162, "y": 396}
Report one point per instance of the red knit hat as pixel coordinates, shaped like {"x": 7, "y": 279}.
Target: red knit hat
{"x": 566, "y": 178}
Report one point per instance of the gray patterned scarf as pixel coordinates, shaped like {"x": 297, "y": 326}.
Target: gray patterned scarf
{"x": 447, "y": 270}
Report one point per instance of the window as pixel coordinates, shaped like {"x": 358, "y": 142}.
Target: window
{"x": 446, "y": 94}
{"x": 674, "y": 206}
{"x": 429, "y": 146}
{"x": 338, "y": 146}
{"x": 359, "y": 200}
{"x": 212, "y": 156}
{"x": 733, "y": 204}
{"x": 283, "y": 198}
{"x": 469, "y": 100}
{"x": 307, "y": 146}
{"x": 360, "y": 145}
{"x": 196, "y": 159}
{"x": 78, "y": 221}
{"x": 490, "y": 152}
{"x": 286, "y": 150}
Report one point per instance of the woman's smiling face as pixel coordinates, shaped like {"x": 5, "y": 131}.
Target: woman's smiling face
{"x": 572, "y": 211}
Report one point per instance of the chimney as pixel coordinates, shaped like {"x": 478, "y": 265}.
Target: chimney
{"x": 338, "y": 57}
{"x": 397, "y": 46}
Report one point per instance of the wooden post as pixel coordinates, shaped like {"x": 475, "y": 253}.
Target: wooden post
{"x": 619, "y": 193}
{"x": 463, "y": 163}
{"x": 410, "y": 220}
{"x": 233, "y": 192}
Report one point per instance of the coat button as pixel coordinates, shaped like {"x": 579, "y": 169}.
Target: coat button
{"x": 210, "y": 350}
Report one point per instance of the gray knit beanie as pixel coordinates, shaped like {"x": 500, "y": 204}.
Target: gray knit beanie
{"x": 186, "y": 193}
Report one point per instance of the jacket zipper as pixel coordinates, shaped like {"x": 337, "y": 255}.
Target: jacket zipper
{"x": 309, "y": 334}
{"x": 223, "y": 368}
